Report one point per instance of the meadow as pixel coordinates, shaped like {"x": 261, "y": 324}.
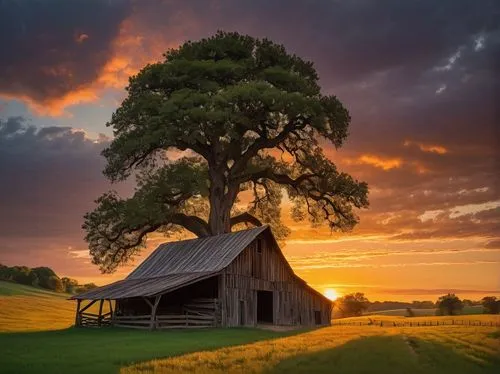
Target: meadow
{"x": 36, "y": 337}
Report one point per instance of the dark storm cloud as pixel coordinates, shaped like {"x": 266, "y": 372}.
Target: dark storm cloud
{"x": 52, "y": 47}
{"x": 50, "y": 177}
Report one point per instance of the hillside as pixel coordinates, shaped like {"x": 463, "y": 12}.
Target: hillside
{"x": 25, "y": 308}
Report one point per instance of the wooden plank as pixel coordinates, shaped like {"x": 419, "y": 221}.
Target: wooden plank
{"x": 110, "y": 307}
{"x": 88, "y": 306}
{"x": 200, "y": 306}
{"x": 100, "y": 311}
{"x": 186, "y": 316}
{"x": 77, "y": 316}
{"x": 198, "y": 312}
{"x": 145, "y": 323}
{"x": 90, "y": 315}
{"x": 148, "y": 302}
{"x": 142, "y": 316}
{"x": 153, "y": 312}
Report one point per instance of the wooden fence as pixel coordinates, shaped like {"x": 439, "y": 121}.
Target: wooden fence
{"x": 406, "y": 323}
{"x": 170, "y": 321}
{"x": 94, "y": 320}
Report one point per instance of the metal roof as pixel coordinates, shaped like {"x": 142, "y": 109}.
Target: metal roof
{"x": 141, "y": 287}
{"x": 210, "y": 254}
{"x": 177, "y": 264}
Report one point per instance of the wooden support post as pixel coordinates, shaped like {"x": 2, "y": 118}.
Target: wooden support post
{"x": 222, "y": 298}
{"x": 77, "y": 315}
{"x": 110, "y": 308}
{"x": 148, "y": 302}
{"x": 88, "y": 306}
{"x": 100, "y": 313}
{"x": 152, "y": 325}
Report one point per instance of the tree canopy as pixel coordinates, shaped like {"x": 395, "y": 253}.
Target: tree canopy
{"x": 216, "y": 135}
{"x": 351, "y": 305}
{"x": 449, "y": 304}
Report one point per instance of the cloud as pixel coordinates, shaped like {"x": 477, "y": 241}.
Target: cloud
{"x": 52, "y": 175}
{"x": 54, "y": 50}
{"x": 376, "y": 161}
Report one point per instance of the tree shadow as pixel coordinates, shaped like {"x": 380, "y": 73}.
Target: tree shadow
{"x": 105, "y": 350}
{"x": 387, "y": 355}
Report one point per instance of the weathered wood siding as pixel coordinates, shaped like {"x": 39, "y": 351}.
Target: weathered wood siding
{"x": 294, "y": 303}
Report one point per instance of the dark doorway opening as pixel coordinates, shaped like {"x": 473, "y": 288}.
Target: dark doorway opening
{"x": 317, "y": 317}
{"x": 265, "y": 307}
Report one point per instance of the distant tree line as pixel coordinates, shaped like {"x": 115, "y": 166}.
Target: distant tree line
{"x": 377, "y": 306}
{"x": 42, "y": 277}
{"x": 355, "y": 304}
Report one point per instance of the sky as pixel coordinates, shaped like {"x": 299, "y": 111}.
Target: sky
{"x": 421, "y": 80}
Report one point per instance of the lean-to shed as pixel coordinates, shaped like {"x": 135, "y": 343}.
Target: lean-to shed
{"x": 235, "y": 279}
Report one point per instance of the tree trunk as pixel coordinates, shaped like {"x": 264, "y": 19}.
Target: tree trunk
{"x": 219, "y": 220}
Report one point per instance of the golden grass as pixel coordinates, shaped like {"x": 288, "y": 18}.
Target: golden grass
{"x": 474, "y": 343}
{"x": 31, "y": 309}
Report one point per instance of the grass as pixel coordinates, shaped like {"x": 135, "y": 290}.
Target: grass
{"x": 48, "y": 345}
{"x": 349, "y": 349}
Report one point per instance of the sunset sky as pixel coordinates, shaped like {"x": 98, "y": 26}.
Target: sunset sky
{"x": 421, "y": 80}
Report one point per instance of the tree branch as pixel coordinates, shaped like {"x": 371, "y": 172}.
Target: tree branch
{"x": 245, "y": 218}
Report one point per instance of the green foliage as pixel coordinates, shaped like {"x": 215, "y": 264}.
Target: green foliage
{"x": 449, "y": 304}
{"x": 351, "y": 305}
{"x": 218, "y": 118}
{"x": 43, "y": 277}
{"x": 491, "y": 305}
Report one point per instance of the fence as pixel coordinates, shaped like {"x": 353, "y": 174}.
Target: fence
{"x": 170, "y": 321}
{"x": 406, "y": 323}
{"x": 94, "y": 320}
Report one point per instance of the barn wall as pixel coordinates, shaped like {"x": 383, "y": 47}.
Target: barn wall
{"x": 294, "y": 303}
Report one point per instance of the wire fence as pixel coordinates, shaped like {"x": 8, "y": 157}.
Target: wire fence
{"x": 386, "y": 323}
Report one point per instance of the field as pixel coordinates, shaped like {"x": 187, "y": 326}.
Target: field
{"x": 36, "y": 338}
{"x": 476, "y": 309}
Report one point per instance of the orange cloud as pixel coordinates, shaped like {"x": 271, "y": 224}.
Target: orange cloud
{"x": 55, "y": 107}
{"x": 439, "y": 149}
{"x": 376, "y": 161}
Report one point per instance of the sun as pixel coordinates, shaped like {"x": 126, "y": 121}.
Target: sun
{"x": 331, "y": 294}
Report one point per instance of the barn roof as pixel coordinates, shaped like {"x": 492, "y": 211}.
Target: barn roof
{"x": 177, "y": 264}
{"x": 210, "y": 254}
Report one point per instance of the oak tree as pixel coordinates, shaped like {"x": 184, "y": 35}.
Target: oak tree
{"x": 216, "y": 135}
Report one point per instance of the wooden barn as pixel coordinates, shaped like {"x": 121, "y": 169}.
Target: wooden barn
{"x": 234, "y": 279}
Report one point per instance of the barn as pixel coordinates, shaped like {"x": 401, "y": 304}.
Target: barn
{"x": 236, "y": 279}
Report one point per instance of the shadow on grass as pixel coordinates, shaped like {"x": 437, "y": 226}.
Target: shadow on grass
{"x": 387, "y": 355}
{"x": 84, "y": 350}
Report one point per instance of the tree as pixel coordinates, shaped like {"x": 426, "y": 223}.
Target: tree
{"x": 491, "y": 305}
{"x": 70, "y": 285}
{"x": 55, "y": 283}
{"x": 44, "y": 275}
{"x": 220, "y": 119}
{"x": 352, "y": 304}
{"x": 449, "y": 304}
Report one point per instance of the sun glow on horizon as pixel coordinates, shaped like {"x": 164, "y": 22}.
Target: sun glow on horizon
{"x": 331, "y": 294}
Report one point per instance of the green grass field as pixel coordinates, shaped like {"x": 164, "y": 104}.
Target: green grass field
{"x": 36, "y": 337}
